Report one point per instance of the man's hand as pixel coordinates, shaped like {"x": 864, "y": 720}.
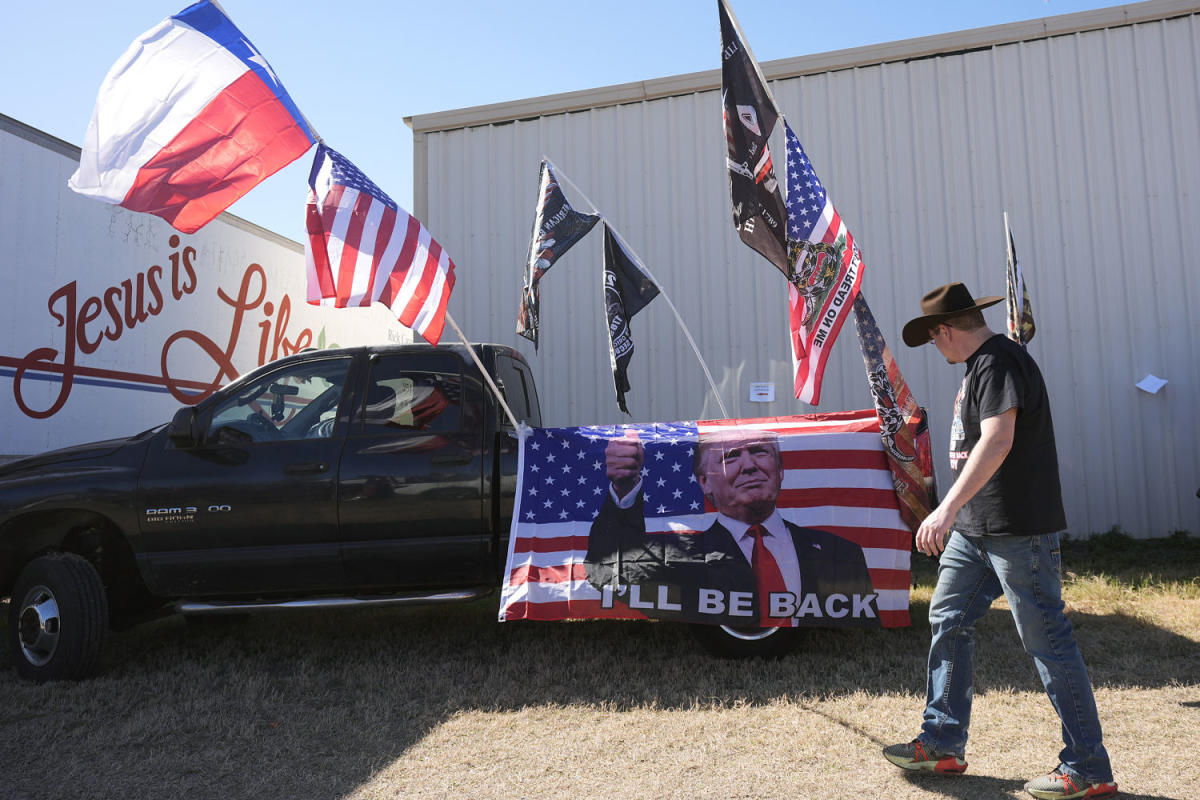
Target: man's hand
{"x": 623, "y": 459}
{"x": 931, "y": 536}
{"x": 995, "y": 441}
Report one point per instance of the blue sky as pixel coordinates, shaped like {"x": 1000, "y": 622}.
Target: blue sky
{"x": 356, "y": 68}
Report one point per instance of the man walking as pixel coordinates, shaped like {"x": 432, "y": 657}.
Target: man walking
{"x": 1003, "y": 514}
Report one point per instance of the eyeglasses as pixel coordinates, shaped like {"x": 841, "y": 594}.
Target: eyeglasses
{"x": 933, "y": 332}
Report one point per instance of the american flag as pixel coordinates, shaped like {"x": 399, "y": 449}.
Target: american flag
{"x": 362, "y": 248}
{"x": 826, "y": 271}
{"x": 835, "y": 478}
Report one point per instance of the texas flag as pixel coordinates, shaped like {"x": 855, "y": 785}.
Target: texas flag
{"x": 187, "y": 121}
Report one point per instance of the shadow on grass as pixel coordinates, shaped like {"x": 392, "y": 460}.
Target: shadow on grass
{"x": 313, "y": 704}
{"x": 1114, "y": 555}
{"x": 346, "y": 693}
{"x": 967, "y": 787}
{"x": 973, "y": 787}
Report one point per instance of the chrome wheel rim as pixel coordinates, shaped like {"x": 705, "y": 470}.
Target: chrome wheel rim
{"x": 749, "y": 634}
{"x": 38, "y": 626}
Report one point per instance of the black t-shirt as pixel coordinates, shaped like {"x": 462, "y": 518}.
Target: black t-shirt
{"x": 1024, "y": 496}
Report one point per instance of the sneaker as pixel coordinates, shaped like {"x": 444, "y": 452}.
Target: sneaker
{"x": 913, "y": 756}
{"x": 1058, "y": 785}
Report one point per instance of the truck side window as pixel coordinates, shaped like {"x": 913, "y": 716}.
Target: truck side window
{"x": 297, "y": 402}
{"x": 515, "y": 393}
{"x": 531, "y": 398}
{"x": 418, "y": 393}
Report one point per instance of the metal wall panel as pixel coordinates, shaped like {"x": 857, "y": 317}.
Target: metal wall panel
{"x": 1088, "y": 139}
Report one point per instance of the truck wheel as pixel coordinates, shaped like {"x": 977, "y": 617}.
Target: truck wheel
{"x": 726, "y": 641}
{"x": 57, "y": 619}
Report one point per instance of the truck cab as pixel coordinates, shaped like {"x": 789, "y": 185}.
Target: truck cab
{"x": 352, "y": 476}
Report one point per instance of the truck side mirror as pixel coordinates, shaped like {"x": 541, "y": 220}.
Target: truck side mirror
{"x": 182, "y": 430}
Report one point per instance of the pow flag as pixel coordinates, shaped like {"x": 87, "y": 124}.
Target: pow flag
{"x": 556, "y": 226}
{"x": 187, "y": 121}
{"x": 750, "y": 116}
{"x": 903, "y": 427}
{"x": 1020, "y": 311}
{"x": 670, "y": 550}
{"x": 627, "y": 290}
{"x": 362, "y": 248}
{"x": 824, "y": 272}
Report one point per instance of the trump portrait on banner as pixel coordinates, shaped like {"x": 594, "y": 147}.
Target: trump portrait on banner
{"x": 750, "y": 566}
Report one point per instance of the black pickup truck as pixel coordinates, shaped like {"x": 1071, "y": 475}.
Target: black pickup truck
{"x": 359, "y": 476}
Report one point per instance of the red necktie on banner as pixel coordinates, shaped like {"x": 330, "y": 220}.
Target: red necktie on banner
{"x": 768, "y": 577}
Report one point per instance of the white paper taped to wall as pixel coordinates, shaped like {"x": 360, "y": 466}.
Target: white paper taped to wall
{"x": 1151, "y": 383}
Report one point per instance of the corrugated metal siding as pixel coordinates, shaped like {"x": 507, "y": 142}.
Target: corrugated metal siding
{"x": 1088, "y": 140}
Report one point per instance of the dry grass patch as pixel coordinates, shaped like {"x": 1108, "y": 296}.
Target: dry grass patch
{"x": 445, "y": 702}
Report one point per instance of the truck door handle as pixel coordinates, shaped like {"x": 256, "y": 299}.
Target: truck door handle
{"x": 305, "y": 468}
{"x": 451, "y": 459}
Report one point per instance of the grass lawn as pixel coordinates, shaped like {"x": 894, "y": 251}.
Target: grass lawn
{"x": 445, "y": 702}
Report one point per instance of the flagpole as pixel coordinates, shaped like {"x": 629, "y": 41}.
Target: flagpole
{"x": 686, "y": 333}
{"x": 762, "y": 79}
{"x": 486, "y": 376}
{"x": 1008, "y": 238}
{"x": 1013, "y": 302}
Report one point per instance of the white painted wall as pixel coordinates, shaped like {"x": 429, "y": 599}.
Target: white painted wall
{"x": 58, "y": 250}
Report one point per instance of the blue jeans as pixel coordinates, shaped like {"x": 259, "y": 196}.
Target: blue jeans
{"x": 972, "y": 572}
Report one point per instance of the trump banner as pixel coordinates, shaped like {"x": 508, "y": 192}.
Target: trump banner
{"x": 777, "y": 521}
{"x": 187, "y": 121}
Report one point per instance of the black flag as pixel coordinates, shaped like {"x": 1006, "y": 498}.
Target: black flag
{"x": 556, "y": 226}
{"x": 750, "y": 116}
{"x": 627, "y": 290}
{"x": 1020, "y": 310}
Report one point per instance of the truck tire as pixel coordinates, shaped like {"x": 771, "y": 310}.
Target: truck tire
{"x": 57, "y": 619}
{"x": 725, "y": 641}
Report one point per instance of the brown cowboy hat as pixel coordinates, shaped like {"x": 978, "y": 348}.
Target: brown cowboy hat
{"x": 940, "y": 305}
